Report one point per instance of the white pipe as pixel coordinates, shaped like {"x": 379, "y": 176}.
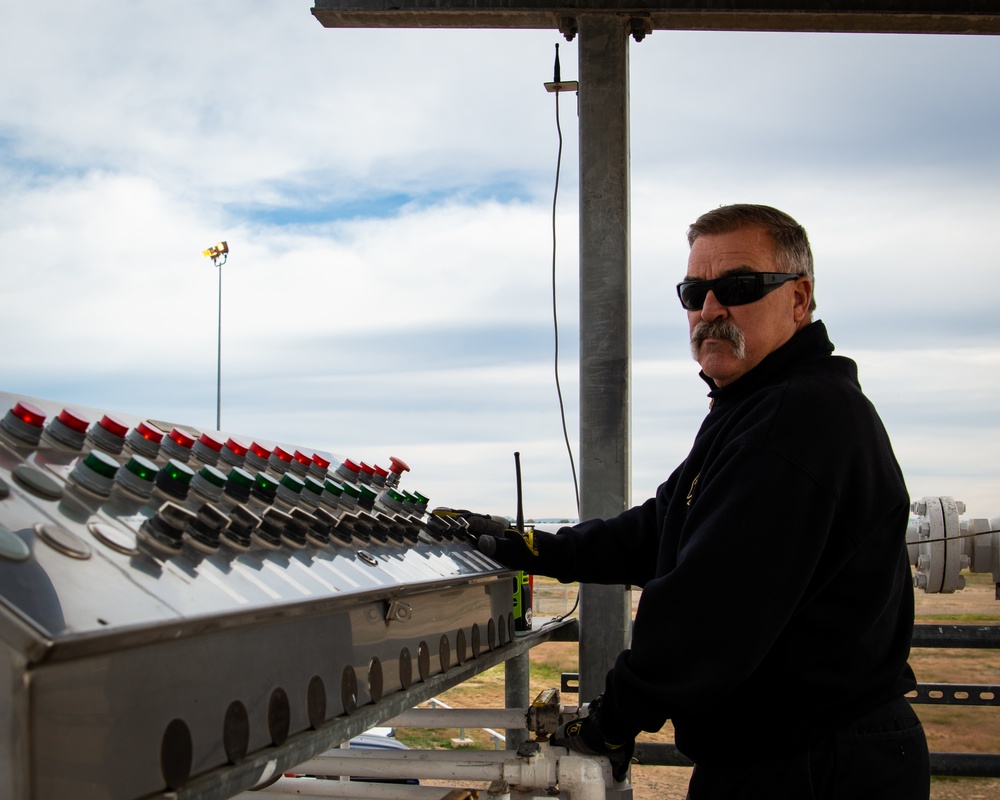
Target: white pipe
{"x": 539, "y": 771}
{"x": 478, "y": 765}
{"x": 584, "y": 778}
{"x": 460, "y": 718}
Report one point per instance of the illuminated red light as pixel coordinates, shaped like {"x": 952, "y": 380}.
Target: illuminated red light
{"x": 209, "y": 442}
{"x": 283, "y": 455}
{"x": 149, "y": 432}
{"x": 237, "y": 447}
{"x": 260, "y": 452}
{"x": 113, "y": 425}
{"x": 73, "y": 421}
{"x": 320, "y": 462}
{"x": 302, "y": 458}
{"x": 29, "y": 414}
{"x": 182, "y": 438}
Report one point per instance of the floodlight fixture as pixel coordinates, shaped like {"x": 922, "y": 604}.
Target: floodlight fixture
{"x": 217, "y": 251}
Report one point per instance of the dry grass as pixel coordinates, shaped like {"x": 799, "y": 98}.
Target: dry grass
{"x": 949, "y": 728}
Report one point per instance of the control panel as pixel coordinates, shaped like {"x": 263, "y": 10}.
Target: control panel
{"x": 172, "y": 599}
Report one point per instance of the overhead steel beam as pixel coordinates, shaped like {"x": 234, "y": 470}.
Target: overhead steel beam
{"x": 845, "y": 16}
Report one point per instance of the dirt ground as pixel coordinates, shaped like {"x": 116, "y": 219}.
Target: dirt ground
{"x": 949, "y": 728}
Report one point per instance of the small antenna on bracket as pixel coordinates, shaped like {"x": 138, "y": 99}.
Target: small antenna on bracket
{"x": 558, "y": 84}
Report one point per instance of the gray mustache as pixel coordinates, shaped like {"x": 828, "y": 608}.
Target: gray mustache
{"x": 723, "y": 329}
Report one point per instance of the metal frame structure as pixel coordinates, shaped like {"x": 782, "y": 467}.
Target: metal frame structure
{"x": 969, "y": 765}
{"x": 603, "y": 28}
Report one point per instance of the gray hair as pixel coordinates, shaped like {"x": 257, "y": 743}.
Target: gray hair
{"x": 791, "y": 244}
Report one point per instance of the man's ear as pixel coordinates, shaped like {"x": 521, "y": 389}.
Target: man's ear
{"x": 801, "y": 299}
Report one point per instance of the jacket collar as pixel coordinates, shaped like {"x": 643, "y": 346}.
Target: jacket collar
{"x": 810, "y": 342}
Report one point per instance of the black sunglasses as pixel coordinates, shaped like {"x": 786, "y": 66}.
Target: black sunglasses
{"x": 732, "y": 290}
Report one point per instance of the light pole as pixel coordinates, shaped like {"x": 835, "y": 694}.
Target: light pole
{"x": 218, "y": 253}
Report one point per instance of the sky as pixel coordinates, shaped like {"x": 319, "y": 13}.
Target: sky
{"x": 387, "y": 197}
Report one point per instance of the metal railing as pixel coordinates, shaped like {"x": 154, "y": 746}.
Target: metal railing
{"x": 968, "y": 765}
{"x": 953, "y": 764}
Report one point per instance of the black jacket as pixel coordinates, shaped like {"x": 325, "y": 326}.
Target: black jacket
{"x": 777, "y": 600}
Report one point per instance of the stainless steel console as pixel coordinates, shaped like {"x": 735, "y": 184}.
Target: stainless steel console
{"x": 176, "y": 602}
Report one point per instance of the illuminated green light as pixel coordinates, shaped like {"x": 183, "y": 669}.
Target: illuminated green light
{"x": 176, "y": 471}
{"x": 394, "y": 495}
{"x": 101, "y": 463}
{"x": 142, "y": 468}
{"x": 265, "y": 483}
{"x": 420, "y": 498}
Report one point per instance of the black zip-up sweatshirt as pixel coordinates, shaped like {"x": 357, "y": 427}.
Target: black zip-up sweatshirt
{"x": 777, "y": 600}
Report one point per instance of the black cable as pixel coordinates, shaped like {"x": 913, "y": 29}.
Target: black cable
{"x": 555, "y": 313}
{"x": 555, "y": 320}
{"x": 952, "y": 538}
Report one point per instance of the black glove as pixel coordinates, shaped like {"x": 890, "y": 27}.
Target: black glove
{"x": 511, "y": 549}
{"x": 471, "y": 525}
{"x": 586, "y": 736}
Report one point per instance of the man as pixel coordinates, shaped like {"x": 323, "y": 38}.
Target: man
{"x": 777, "y": 605}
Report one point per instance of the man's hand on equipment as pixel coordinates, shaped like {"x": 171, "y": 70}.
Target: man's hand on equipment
{"x": 511, "y": 549}
{"x": 586, "y": 736}
{"x": 472, "y": 525}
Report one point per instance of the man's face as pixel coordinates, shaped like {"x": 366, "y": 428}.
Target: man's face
{"x": 762, "y": 326}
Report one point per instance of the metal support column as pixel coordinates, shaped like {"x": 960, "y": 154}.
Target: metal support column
{"x": 517, "y": 694}
{"x": 605, "y": 322}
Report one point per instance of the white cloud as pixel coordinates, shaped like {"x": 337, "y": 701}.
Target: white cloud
{"x": 386, "y": 195}
{"x": 937, "y": 405}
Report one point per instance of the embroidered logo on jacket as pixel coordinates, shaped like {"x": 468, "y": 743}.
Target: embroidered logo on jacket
{"x": 694, "y": 483}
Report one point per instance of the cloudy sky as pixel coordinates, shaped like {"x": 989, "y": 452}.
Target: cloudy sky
{"x": 386, "y": 196}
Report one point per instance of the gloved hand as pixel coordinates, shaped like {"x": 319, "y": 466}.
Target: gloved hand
{"x": 511, "y": 549}
{"x": 473, "y": 525}
{"x": 586, "y": 736}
